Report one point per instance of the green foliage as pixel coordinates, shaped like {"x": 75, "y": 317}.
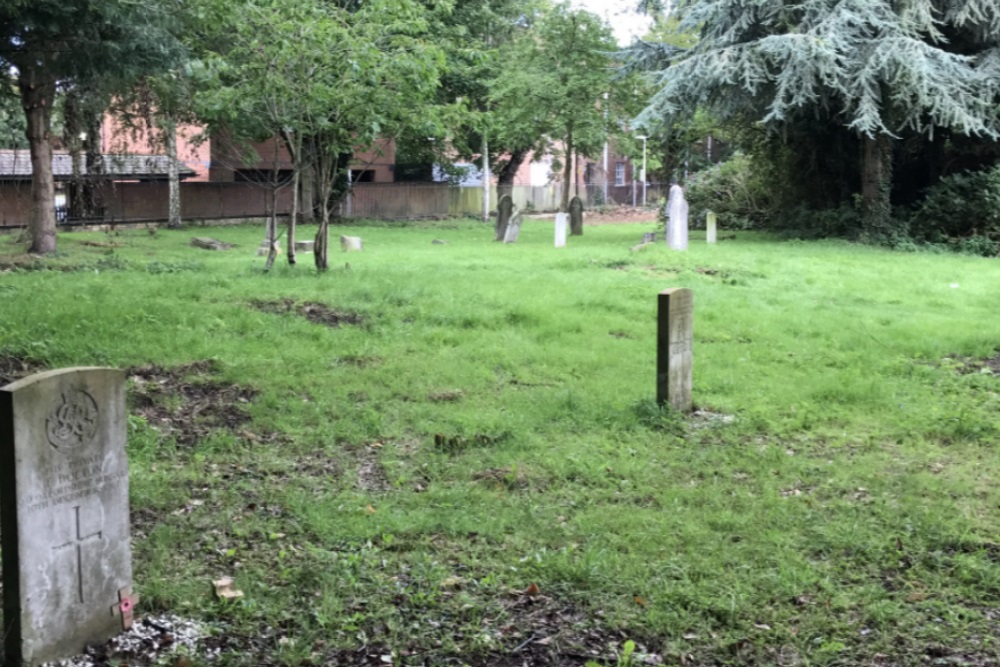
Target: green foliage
{"x": 962, "y": 210}
{"x": 736, "y": 191}
{"x": 11, "y": 120}
{"x": 877, "y": 70}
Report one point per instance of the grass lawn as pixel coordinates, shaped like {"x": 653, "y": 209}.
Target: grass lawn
{"x": 470, "y": 468}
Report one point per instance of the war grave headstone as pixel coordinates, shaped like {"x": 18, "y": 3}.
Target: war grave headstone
{"x": 711, "y": 227}
{"x": 576, "y": 217}
{"x": 562, "y": 226}
{"x": 513, "y": 227}
{"x": 64, "y": 513}
{"x": 677, "y": 219}
{"x": 349, "y": 243}
{"x": 505, "y": 209}
{"x": 674, "y": 348}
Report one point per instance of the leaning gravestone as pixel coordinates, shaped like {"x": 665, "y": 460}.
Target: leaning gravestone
{"x": 674, "y": 348}
{"x": 513, "y": 227}
{"x": 711, "y": 227}
{"x": 677, "y": 219}
{"x": 562, "y": 225}
{"x": 64, "y": 514}
{"x": 505, "y": 209}
{"x": 576, "y": 217}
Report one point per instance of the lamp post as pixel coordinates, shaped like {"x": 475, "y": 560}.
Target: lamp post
{"x": 643, "y": 137}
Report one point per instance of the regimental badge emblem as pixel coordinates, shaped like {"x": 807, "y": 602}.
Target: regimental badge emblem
{"x": 73, "y": 423}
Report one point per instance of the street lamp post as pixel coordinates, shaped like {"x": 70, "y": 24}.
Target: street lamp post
{"x": 643, "y": 137}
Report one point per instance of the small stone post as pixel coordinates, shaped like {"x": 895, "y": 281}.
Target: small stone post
{"x": 562, "y": 224}
{"x": 710, "y": 227}
{"x": 674, "y": 341}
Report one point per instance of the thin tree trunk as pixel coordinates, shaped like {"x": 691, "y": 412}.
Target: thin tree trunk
{"x": 486, "y": 179}
{"x": 95, "y": 184}
{"x": 876, "y": 185}
{"x": 293, "y": 217}
{"x": 73, "y": 130}
{"x": 308, "y": 194}
{"x": 320, "y": 245}
{"x": 37, "y": 93}
{"x": 567, "y": 170}
{"x": 505, "y": 177}
{"x": 173, "y": 173}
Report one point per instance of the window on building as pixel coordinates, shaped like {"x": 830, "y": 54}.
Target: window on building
{"x": 620, "y": 173}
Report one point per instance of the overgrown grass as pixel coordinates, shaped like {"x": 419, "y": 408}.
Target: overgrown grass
{"x": 490, "y": 425}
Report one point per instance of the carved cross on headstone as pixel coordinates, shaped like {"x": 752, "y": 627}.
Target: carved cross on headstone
{"x": 125, "y": 607}
{"x": 78, "y": 543}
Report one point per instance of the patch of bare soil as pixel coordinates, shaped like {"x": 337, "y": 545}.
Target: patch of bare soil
{"x": 371, "y": 474}
{"x": 610, "y": 215}
{"x": 14, "y": 367}
{"x": 179, "y": 406}
{"x": 967, "y": 365}
{"x": 315, "y": 312}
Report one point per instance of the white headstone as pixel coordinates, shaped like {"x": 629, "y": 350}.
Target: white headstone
{"x": 710, "y": 227}
{"x": 562, "y": 227}
{"x": 348, "y": 243}
{"x": 67, "y": 561}
{"x": 677, "y": 219}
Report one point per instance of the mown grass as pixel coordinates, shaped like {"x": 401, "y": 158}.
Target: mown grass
{"x": 490, "y": 424}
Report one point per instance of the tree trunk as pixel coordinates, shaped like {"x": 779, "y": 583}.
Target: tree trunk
{"x": 567, "y": 170}
{"x": 505, "y": 177}
{"x": 320, "y": 245}
{"x": 95, "y": 184}
{"x": 308, "y": 194}
{"x": 173, "y": 174}
{"x": 37, "y": 93}
{"x": 73, "y": 125}
{"x": 486, "y": 179}
{"x": 876, "y": 187}
{"x": 293, "y": 217}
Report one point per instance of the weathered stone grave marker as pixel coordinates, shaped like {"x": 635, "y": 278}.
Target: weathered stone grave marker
{"x": 674, "y": 348}
{"x": 64, "y": 513}
{"x": 505, "y": 209}
{"x": 513, "y": 227}
{"x": 562, "y": 225}
{"x": 576, "y": 217}
{"x": 711, "y": 226}
{"x": 350, "y": 243}
{"x": 677, "y": 219}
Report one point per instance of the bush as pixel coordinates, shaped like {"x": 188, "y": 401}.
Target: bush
{"x": 963, "y": 211}
{"x": 735, "y": 191}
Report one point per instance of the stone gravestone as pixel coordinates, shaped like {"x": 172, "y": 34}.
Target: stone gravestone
{"x": 677, "y": 219}
{"x": 711, "y": 226}
{"x": 576, "y": 217}
{"x": 513, "y": 227}
{"x": 562, "y": 224}
{"x": 64, "y": 514}
{"x": 505, "y": 209}
{"x": 649, "y": 237}
{"x": 349, "y": 243}
{"x": 674, "y": 341}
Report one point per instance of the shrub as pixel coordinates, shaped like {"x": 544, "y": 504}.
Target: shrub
{"x": 962, "y": 210}
{"x": 735, "y": 191}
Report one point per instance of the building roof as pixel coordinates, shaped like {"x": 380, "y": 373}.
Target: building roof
{"x": 15, "y": 165}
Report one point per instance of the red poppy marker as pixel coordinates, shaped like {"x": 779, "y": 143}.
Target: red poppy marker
{"x": 126, "y": 606}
